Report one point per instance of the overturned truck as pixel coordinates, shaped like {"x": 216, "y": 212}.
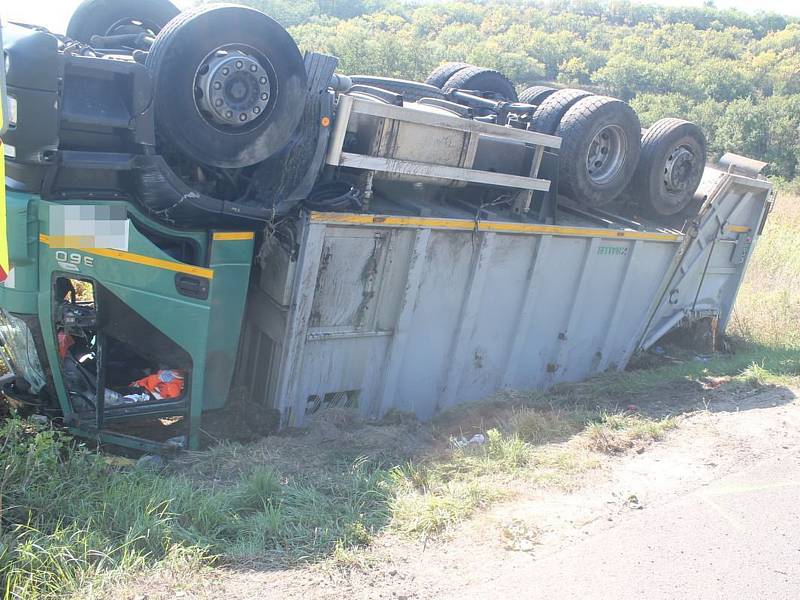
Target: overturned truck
{"x": 194, "y": 210}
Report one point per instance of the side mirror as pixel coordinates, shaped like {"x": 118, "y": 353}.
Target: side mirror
{"x": 4, "y": 109}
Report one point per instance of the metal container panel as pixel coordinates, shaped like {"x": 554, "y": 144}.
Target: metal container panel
{"x": 424, "y": 314}
{"x": 419, "y": 314}
{"x": 714, "y": 254}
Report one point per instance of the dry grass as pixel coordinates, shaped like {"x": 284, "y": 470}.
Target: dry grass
{"x": 620, "y": 432}
{"x": 768, "y": 306}
{"x": 423, "y": 478}
{"x": 554, "y": 424}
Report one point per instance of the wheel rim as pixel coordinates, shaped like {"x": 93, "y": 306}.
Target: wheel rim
{"x": 133, "y": 26}
{"x": 679, "y": 169}
{"x": 606, "y": 154}
{"x": 234, "y": 88}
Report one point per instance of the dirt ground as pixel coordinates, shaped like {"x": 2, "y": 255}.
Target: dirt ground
{"x": 732, "y": 427}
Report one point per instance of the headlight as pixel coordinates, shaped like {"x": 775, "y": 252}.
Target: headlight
{"x": 12, "y": 111}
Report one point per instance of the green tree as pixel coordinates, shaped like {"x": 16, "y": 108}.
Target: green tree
{"x": 736, "y": 75}
{"x": 652, "y": 107}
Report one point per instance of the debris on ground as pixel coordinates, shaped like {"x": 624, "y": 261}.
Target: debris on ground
{"x": 476, "y": 440}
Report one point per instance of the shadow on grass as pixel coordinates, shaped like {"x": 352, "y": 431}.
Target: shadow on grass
{"x": 667, "y": 387}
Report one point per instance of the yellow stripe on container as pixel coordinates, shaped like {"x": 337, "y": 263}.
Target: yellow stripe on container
{"x": 502, "y": 227}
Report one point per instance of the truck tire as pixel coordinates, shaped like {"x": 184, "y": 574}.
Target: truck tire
{"x": 600, "y": 146}
{"x": 670, "y": 167}
{"x": 536, "y": 94}
{"x": 113, "y": 17}
{"x": 486, "y": 81}
{"x": 443, "y": 72}
{"x": 548, "y": 115}
{"x": 411, "y": 90}
{"x": 230, "y": 85}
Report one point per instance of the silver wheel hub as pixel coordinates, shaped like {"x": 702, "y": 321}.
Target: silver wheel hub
{"x": 606, "y": 154}
{"x": 678, "y": 169}
{"x": 232, "y": 88}
{"x": 132, "y": 26}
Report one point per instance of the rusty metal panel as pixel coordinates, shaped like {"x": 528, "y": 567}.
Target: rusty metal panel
{"x": 350, "y": 273}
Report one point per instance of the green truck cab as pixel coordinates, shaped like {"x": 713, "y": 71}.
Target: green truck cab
{"x": 98, "y": 295}
{"x": 123, "y": 287}
{"x": 76, "y": 277}
{"x": 100, "y": 317}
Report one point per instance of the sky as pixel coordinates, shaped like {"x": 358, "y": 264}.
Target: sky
{"x": 54, "y": 14}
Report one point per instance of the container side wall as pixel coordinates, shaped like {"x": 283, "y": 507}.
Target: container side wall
{"x": 416, "y": 319}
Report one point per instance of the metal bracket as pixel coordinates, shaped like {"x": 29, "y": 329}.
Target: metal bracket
{"x": 394, "y": 118}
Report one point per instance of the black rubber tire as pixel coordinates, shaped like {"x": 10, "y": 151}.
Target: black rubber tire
{"x": 99, "y": 17}
{"x": 577, "y": 130}
{"x": 411, "y": 90}
{"x": 548, "y": 115}
{"x": 181, "y": 48}
{"x": 648, "y": 186}
{"x": 443, "y": 72}
{"x": 536, "y": 94}
{"x": 486, "y": 81}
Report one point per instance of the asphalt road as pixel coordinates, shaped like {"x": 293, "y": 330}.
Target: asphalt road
{"x": 735, "y": 538}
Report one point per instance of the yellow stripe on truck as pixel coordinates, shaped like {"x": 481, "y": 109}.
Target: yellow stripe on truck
{"x": 4, "y": 264}
{"x": 232, "y": 236}
{"x": 138, "y": 259}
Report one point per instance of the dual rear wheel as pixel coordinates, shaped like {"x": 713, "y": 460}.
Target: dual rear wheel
{"x": 670, "y": 167}
{"x": 604, "y": 155}
{"x": 603, "y": 152}
{"x": 599, "y": 149}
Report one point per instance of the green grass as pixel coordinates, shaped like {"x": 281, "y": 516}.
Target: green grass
{"x": 780, "y": 364}
{"x": 68, "y": 517}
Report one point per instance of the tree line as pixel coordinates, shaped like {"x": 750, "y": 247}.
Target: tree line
{"x": 737, "y": 75}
